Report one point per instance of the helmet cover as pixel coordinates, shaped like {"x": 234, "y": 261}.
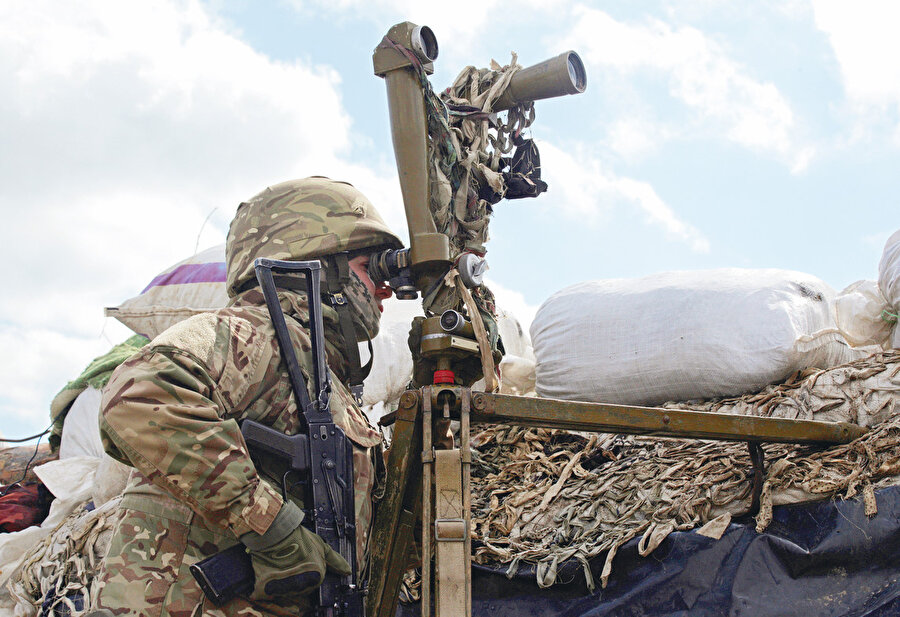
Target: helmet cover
{"x": 301, "y": 220}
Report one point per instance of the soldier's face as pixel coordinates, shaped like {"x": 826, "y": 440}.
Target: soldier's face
{"x": 379, "y": 289}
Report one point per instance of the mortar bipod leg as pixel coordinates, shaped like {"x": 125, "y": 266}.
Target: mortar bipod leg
{"x": 450, "y": 532}
{"x": 393, "y": 532}
{"x": 427, "y": 499}
{"x": 465, "y": 446}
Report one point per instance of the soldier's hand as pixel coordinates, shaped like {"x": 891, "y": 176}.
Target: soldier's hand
{"x": 289, "y": 559}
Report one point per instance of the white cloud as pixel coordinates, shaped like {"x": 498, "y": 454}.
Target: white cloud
{"x": 587, "y": 190}
{"x": 125, "y": 125}
{"x": 634, "y": 137}
{"x": 37, "y": 363}
{"x": 459, "y": 26}
{"x": 864, "y": 38}
{"x": 700, "y": 75}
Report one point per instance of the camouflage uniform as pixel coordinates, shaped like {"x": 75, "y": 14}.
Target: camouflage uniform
{"x": 172, "y": 412}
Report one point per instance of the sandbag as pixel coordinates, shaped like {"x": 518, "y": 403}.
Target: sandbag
{"x": 81, "y": 429}
{"x": 684, "y": 335}
{"x": 81, "y": 438}
{"x": 889, "y": 283}
{"x": 866, "y": 311}
{"x": 392, "y": 366}
{"x": 517, "y": 368}
{"x": 859, "y": 312}
{"x": 194, "y": 285}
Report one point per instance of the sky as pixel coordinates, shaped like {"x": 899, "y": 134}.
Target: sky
{"x": 712, "y": 134}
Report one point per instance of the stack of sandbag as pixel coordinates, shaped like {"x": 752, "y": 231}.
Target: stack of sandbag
{"x": 684, "y": 335}
{"x": 54, "y": 562}
{"x": 866, "y": 311}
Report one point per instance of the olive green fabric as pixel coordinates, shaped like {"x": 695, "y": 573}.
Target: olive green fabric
{"x": 96, "y": 374}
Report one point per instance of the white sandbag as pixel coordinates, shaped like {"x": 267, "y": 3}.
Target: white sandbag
{"x": 109, "y": 480}
{"x": 517, "y": 368}
{"x": 684, "y": 335}
{"x": 392, "y": 367}
{"x": 81, "y": 429}
{"x": 81, "y": 438}
{"x": 192, "y": 286}
{"x": 859, "y": 313}
{"x": 889, "y": 283}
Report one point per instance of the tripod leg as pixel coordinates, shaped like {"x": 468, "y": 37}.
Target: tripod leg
{"x": 395, "y": 520}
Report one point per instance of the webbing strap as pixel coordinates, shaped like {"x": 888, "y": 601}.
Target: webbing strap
{"x": 427, "y": 499}
{"x": 450, "y": 533}
{"x": 340, "y": 265}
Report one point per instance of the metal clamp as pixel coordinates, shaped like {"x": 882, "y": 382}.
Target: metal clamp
{"x": 450, "y": 530}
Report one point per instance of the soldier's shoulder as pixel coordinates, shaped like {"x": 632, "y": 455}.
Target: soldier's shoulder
{"x": 210, "y": 336}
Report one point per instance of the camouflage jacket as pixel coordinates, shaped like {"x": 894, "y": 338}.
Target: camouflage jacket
{"x": 172, "y": 412}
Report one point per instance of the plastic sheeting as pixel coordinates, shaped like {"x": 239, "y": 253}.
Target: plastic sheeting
{"x": 823, "y": 558}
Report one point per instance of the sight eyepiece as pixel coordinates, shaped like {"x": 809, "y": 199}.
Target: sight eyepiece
{"x": 424, "y": 43}
{"x": 452, "y": 321}
{"x": 392, "y": 266}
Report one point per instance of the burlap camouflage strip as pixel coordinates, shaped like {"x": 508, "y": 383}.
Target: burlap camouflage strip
{"x": 542, "y": 497}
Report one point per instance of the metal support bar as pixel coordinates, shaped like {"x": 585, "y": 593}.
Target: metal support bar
{"x": 604, "y": 418}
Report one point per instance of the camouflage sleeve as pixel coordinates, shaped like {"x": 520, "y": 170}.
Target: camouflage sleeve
{"x": 163, "y": 412}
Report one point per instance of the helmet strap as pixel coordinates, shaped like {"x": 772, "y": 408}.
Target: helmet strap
{"x": 336, "y": 279}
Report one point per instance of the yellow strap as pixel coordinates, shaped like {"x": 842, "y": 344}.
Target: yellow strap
{"x": 450, "y": 533}
{"x": 484, "y": 346}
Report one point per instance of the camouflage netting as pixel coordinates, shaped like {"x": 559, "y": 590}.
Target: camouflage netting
{"x": 542, "y": 497}
{"x": 65, "y": 564}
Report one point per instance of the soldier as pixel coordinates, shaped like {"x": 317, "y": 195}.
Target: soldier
{"x": 172, "y": 412}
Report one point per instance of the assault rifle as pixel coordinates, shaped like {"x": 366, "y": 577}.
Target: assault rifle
{"x": 430, "y": 484}
{"x": 322, "y": 457}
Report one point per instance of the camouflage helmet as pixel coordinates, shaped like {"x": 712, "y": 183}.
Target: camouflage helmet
{"x": 299, "y": 220}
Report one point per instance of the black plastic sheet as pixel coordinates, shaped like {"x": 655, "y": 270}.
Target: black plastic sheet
{"x": 817, "y": 559}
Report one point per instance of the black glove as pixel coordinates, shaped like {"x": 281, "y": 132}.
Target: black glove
{"x": 289, "y": 559}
